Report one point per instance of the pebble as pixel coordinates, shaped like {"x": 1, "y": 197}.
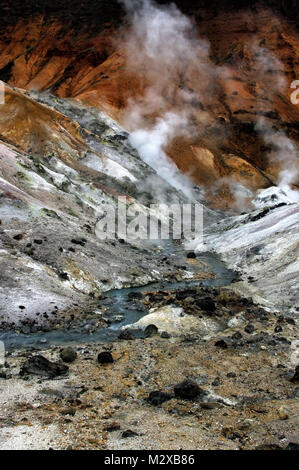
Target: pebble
{"x": 249, "y": 328}
{"x": 68, "y": 355}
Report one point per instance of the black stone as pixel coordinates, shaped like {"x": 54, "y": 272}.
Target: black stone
{"x": 292, "y": 446}
{"x": 105, "y": 357}
{"x": 236, "y": 335}
{"x": 68, "y": 355}
{"x": 295, "y": 377}
{"x": 231, "y": 375}
{"x": 221, "y": 344}
{"x": 126, "y": 335}
{"x": 157, "y": 398}
{"x": 150, "y": 330}
{"x": 249, "y": 328}
{"x": 135, "y": 295}
{"x": 165, "y": 334}
{"x": 187, "y": 389}
{"x": 207, "y": 305}
{"x": 79, "y": 241}
{"x": 39, "y": 365}
{"x": 128, "y": 433}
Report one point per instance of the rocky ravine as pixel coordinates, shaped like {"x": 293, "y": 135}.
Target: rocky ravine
{"x": 124, "y": 344}
{"x": 231, "y": 389}
{"x": 234, "y": 345}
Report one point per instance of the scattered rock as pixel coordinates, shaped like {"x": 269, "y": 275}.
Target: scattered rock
{"x": 249, "y": 328}
{"x": 187, "y": 390}
{"x": 292, "y": 446}
{"x": 52, "y": 392}
{"x": 216, "y": 382}
{"x": 157, "y": 397}
{"x": 135, "y": 295}
{"x": 295, "y": 377}
{"x": 111, "y": 427}
{"x": 150, "y": 330}
{"x": 79, "y": 241}
{"x": 237, "y": 335}
{"x": 19, "y": 236}
{"x": 39, "y": 365}
{"x": 207, "y": 305}
{"x": 105, "y": 357}
{"x": 231, "y": 375}
{"x": 165, "y": 334}
{"x": 189, "y": 300}
{"x": 282, "y": 414}
{"x": 68, "y": 411}
{"x": 126, "y": 335}
{"x": 68, "y": 355}
{"x": 221, "y": 344}
{"x": 128, "y": 433}
{"x": 211, "y": 405}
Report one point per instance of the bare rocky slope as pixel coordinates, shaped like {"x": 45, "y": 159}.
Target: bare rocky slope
{"x": 129, "y": 344}
{"x": 80, "y": 52}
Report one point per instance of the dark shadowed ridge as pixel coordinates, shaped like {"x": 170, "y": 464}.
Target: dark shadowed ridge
{"x": 92, "y": 14}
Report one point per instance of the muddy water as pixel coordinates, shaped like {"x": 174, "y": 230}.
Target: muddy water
{"x": 122, "y": 311}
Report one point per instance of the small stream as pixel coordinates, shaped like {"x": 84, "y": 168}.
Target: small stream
{"x": 119, "y": 306}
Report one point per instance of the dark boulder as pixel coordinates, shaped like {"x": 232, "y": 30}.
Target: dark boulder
{"x": 126, "y": 335}
{"x": 105, "y": 357}
{"x": 187, "y": 390}
{"x": 292, "y": 446}
{"x": 165, "y": 334}
{"x": 150, "y": 330}
{"x": 128, "y": 433}
{"x": 207, "y": 305}
{"x": 135, "y": 295}
{"x": 157, "y": 398}
{"x": 39, "y": 365}
{"x": 221, "y": 344}
{"x": 295, "y": 377}
{"x": 249, "y": 328}
{"x": 68, "y": 355}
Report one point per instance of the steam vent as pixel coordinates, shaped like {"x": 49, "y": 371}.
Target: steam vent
{"x": 149, "y": 227}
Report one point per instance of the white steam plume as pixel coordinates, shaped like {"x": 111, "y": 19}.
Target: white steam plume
{"x": 284, "y": 152}
{"x": 162, "y": 46}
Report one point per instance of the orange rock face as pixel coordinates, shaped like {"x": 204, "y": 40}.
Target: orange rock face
{"x": 233, "y": 88}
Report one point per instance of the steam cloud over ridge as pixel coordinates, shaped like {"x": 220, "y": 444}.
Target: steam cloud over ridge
{"x": 162, "y": 45}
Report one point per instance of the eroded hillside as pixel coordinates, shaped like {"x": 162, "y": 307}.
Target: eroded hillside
{"x": 234, "y": 86}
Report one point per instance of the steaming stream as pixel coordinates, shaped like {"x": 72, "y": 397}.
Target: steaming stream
{"x": 121, "y": 305}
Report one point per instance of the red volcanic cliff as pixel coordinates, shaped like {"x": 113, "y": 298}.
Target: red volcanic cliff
{"x": 232, "y": 89}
